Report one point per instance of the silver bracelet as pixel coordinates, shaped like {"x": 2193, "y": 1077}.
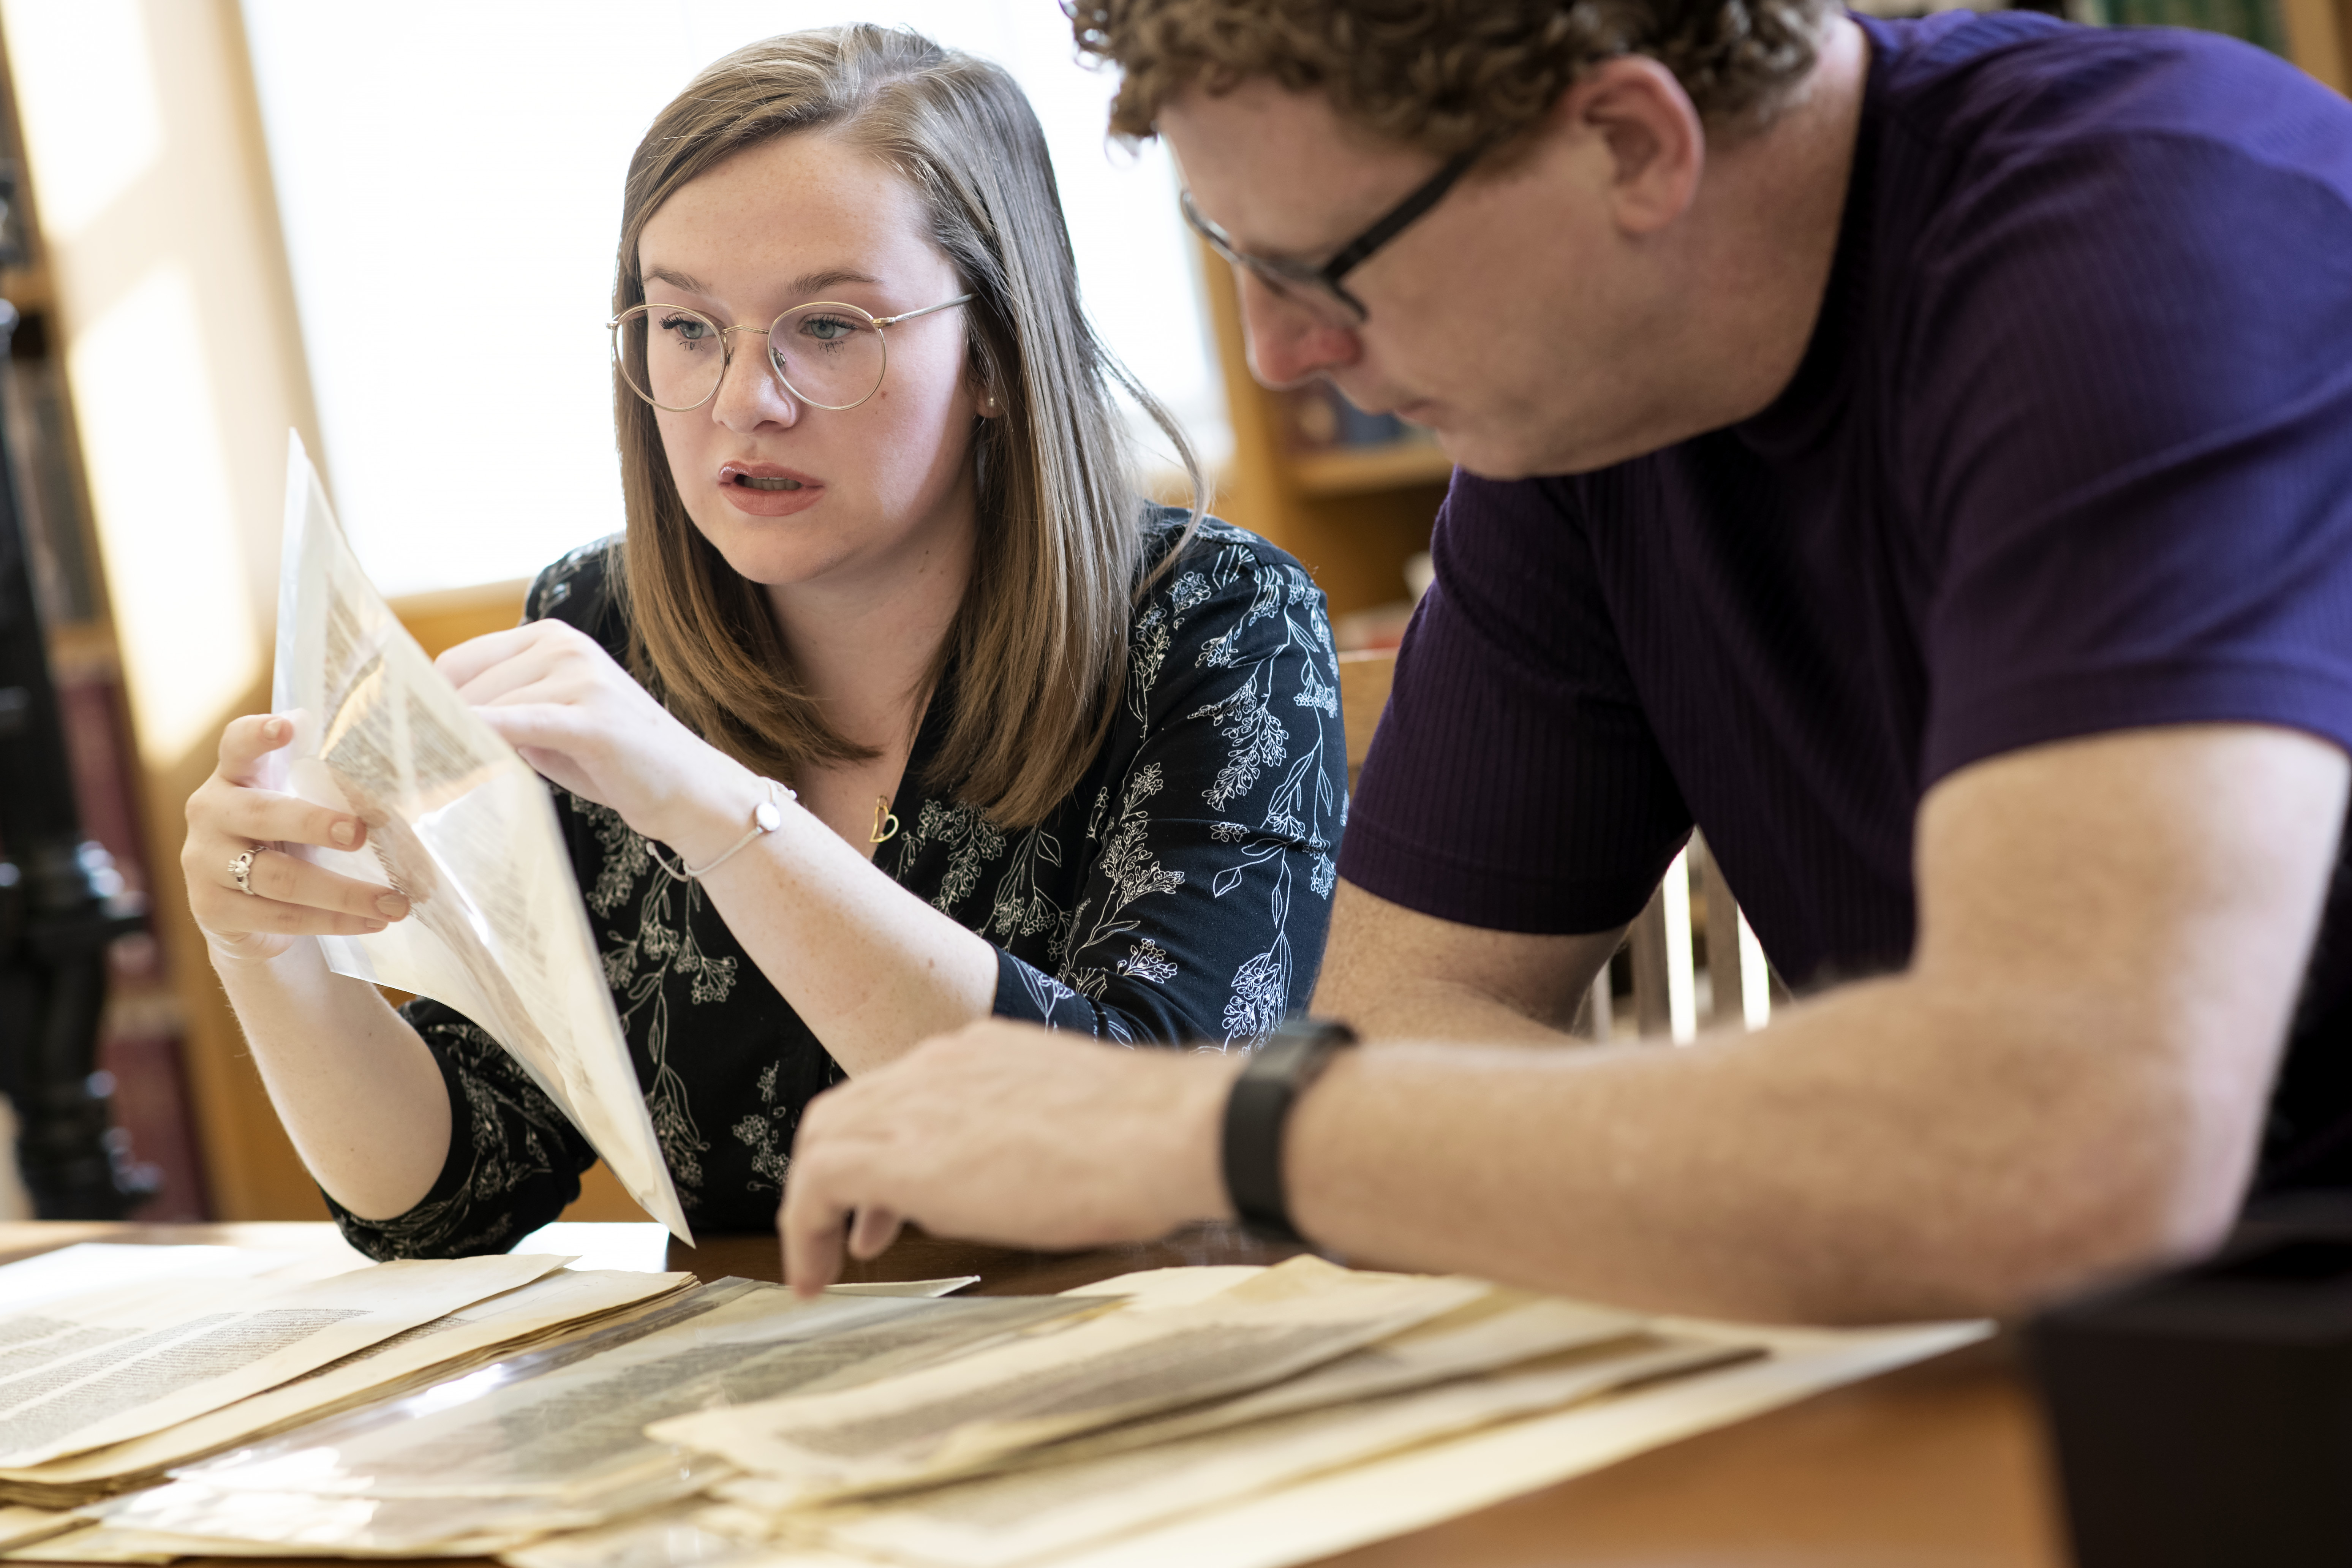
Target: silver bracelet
{"x": 766, "y": 817}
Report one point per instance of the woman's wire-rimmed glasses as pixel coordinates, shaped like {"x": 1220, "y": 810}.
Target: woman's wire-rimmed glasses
{"x": 1317, "y": 287}
{"x": 828, "y": 355}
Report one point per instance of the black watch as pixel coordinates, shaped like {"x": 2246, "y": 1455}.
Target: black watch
{"x": 1256, "y": 1111}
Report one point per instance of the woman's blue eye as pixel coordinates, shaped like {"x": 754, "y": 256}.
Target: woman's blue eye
{"x": 827, "y": 329}
{"x": 686, "y": 329}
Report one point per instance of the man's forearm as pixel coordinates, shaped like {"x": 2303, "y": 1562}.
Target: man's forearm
{"x": 1882, "y": 1153}
{"x": 1441, "y": 1011}
{"x": 1397, "y": 976}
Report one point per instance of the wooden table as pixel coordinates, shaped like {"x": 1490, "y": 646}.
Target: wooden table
{"x": 1941, "y": 1465}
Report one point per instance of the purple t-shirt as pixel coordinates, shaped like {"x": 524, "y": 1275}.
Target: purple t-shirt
{"x": 2070, "y": 451}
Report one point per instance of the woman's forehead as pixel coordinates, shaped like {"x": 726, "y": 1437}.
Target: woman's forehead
{"x": 803, "y": 208}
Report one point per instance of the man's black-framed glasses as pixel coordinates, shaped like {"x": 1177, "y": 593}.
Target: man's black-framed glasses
{"x": 1311, "y": 285}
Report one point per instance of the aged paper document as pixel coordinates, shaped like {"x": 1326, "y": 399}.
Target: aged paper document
{"x": 564, "y": 1301}
{"x": 24, "y": 1526}
{"x": 581, "y": 1427}
{"x": 981, "y": 1407}
{"x": 459, "y": 822}
{"x": 1305, "y": 1518}
{"x": 1505, "y": 1329}
{"x": 555, "y": 1440}
{"x": 91, "y": 1370}
{"x": 89, "y": 1267}
{"x": 1050, "y": 1508}
{"x": 1321, "y": 1516}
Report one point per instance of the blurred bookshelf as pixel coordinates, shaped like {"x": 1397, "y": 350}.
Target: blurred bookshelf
{"x": 1352, "y": 470}
{"x": 2315, "y": 34}
{"x": 2259, "y": 22}
{"x": 142, "y": 1036}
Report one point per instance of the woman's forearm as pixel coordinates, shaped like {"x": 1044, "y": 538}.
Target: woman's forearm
{"x": 871, "y": 969}
{"x": 359, "y": 1093}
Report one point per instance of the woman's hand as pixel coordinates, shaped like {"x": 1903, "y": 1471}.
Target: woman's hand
{"x": 232, "y": 811}
{"x": 582, "y": 721}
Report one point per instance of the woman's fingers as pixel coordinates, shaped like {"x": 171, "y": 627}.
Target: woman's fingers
{"x": 242, "y": 812}
{"x": 468, "y": 661}
{"x": 278, "y": 881}
{"x": 233, "y": 801}
{"x": 491, "y": 668}
{"x": 245, "y": 741}
{"x": 272, "y": 917}
{"x": 280, "y": 877}
{"x": 233, "y": 825}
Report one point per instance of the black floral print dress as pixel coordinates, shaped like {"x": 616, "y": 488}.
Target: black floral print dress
{"x": 1180, "y": 895}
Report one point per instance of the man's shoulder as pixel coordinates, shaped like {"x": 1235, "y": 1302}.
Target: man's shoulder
{"x": 2006, "y": 91}
{"x": 582, "y": 589}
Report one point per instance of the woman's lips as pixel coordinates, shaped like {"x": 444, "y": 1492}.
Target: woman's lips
{"x": 768, "y": 489}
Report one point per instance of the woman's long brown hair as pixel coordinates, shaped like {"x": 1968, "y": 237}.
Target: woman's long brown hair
{"x": 1038, "y": 645}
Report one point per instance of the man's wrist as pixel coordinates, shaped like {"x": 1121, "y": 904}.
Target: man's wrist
{"x": 1256, "y": 1120}
{"x": 1208, "y": 1085}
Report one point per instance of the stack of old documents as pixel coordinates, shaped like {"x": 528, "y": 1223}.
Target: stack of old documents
{"x": 549, "y": 1441}
{"x": 1185, "y": 1415}
{"x": 1252, "y": 1425}
{"x": 105, "y": 1390}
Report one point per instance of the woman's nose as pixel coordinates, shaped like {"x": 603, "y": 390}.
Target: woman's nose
{"x": 751, "y": 393}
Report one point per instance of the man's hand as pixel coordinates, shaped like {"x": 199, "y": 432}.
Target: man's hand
{"x": 1003, "y": 1132}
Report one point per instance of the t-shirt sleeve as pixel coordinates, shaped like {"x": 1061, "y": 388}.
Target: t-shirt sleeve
{"x": 1514, "y": 783}
{"x": 1207, "y": 887}
{"x": 514, "y": 1160}
{"x": 2126, "y": 415}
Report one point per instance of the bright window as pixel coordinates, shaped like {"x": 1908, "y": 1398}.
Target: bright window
{"x": 448, "y": 151}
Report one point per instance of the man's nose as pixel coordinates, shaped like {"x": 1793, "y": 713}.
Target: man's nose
{"x": 1287, "y": 343}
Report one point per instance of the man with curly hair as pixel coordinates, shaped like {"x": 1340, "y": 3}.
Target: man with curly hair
{"x": 1920, "y": 454}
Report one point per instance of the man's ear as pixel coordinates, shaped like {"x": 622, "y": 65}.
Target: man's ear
{"x": 1655, "y": 141}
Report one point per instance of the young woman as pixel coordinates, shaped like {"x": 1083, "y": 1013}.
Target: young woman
{"x": 893, "y": 707}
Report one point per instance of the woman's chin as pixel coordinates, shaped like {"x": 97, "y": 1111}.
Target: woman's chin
{"x": 766, "y": 558}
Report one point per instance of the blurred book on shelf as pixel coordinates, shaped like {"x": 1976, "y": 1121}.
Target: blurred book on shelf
{"x": 1317, "y": 419}
{"x": 48, "y": 494}
{"x": 1383, "y": 626}
{"x": 2258, "y": 22}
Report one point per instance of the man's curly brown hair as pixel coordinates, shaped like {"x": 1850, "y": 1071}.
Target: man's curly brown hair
{"x": 1447, "y": 75}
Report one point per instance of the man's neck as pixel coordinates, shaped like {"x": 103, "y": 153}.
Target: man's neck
{"x": 1761, "y": 274}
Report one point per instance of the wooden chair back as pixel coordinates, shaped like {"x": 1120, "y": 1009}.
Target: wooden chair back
{"x": 1364, "y": 681}
{"x": 1675, "y": 994}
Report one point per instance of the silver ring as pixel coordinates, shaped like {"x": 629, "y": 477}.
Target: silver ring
{"x": 240, "y": 870}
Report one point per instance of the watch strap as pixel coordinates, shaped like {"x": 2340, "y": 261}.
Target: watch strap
{"x": 1258, "y": 1112}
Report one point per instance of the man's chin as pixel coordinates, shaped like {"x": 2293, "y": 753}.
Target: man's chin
{"x": 1491, "y": 457}
{"x": 1528, "y": 453}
